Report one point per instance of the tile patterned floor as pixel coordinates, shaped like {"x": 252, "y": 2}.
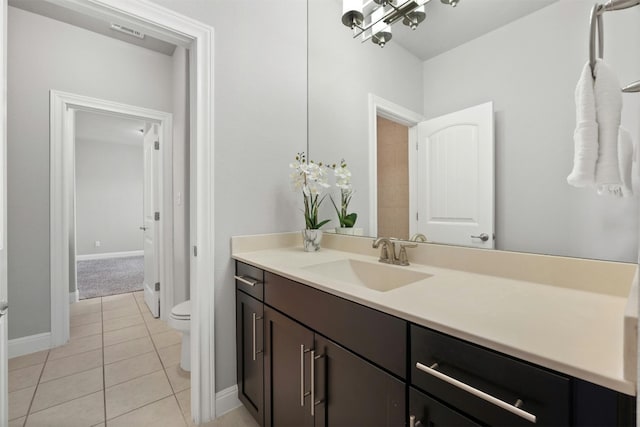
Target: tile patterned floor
{"x": 120, "y": 368}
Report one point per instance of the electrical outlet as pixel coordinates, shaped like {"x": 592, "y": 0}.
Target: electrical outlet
{"x": 97, "y": 243}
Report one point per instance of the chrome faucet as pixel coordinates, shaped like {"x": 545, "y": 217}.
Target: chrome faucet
{"x": 388, "y": 251}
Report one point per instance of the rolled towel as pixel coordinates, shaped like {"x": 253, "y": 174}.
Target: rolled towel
{"x": 625, "y": 159}
{"x": 585, "y": 136}
{"x": 608, "y": 97}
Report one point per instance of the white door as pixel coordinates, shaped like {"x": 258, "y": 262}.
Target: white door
{"x": 456, "y": 177}
{"x": 150, "y": 227}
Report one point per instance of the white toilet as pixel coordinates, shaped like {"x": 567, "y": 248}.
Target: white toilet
{"x": 180, "y": 319}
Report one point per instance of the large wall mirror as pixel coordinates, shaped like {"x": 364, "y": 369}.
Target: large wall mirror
{"x": 522, "y": 59}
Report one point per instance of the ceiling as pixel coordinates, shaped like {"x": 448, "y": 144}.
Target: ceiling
{"x": 107, "y": 128}
{"x": 447, "y": 27}
{"x": 77, "y": 19}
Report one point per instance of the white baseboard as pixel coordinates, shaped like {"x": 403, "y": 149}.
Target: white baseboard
{"x": 109, "y": 255}
{"x": 29, "y": 344}
{"x": 227, "y": 400}
{"x": 74, "y": 296}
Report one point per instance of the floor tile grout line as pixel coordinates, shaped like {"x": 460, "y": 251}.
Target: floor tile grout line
{"x": 26, "y": 417}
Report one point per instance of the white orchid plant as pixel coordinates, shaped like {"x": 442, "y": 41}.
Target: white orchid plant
{"x": 343, "y": 182}
{"x": 311, "y": 178}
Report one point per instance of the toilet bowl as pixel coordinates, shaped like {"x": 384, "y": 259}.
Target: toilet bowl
{"x": 180, "y": 320}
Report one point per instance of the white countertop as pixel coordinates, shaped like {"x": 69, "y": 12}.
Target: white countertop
{"x": 572, "y": 331}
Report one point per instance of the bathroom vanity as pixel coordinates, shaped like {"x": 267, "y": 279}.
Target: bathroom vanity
{"x": 317, "y": 347}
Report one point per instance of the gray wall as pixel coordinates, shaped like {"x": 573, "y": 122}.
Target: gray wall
{"x": 342, "y": 73}
{"x": 181, "y": 175}
{"x": 260, "y": 123}
{"x": 529, "y": 69}
{"x": 109, "y": 194}
{"x": 44, "y": 54}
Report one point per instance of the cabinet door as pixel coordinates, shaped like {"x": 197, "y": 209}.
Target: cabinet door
{"x": 250, "y": 363}
{"x": 431, "y": 413}
{"x": 349, "y": 391}
{"x": 288, "y": 347}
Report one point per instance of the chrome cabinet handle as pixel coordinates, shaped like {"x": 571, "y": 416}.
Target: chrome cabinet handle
{"x": 4, "y": 306}
{"x": 413, "y": 422}
{"x": 478, "y": 393}
{"x": 242, "y": 279}
{"x": 484, "y": 237}
{"x": 314, "y": 402}
{"x": 255, "y": 317}
{"x": 302, "y": 393}
{"x": 313, "y": 382}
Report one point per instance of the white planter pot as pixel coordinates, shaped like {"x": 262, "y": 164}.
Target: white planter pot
{"x": 351, "y": 231}
{"x": 311, "y": 240}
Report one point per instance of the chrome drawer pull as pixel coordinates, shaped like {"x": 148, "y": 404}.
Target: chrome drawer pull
{"x": 251, "y": 282}
{"x": 478, "y": 393}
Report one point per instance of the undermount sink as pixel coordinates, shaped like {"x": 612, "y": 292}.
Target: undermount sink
{"x": 379, "y": 277}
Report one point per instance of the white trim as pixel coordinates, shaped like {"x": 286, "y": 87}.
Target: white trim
{"x": 29, "y": 344}
{"x": 170, "y": 26}
{"x": 227, "y": 400}
{"x": 399, "y": 114}
{"x": 62, "y": 125}
{"x": 4, "y": 348}
{"x": 74, "y": 296}
{"x": 107, "y": 255}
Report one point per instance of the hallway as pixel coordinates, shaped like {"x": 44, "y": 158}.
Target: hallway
{"x": 121, "y": 365}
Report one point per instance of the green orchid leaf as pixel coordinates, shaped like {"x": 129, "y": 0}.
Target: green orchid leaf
{"x": 350, "y": 220}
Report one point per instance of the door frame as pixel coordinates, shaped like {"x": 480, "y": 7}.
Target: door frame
{"x": 197, "y": 37}
{"x": 381, "y": 107}
{"x": 63, "y": 107}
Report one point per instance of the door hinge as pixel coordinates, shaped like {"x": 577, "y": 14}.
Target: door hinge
{"x": 195, "y": 251}
{"x": 417, "y": 217}
{"x": 156, "y": 216}
{"x": 156, "y": 145}
{"x": 157, "y": 286}
{"x": 417, "y": 147}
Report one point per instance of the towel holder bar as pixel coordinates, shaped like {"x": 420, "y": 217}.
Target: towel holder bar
{"x": 596, "y": 26}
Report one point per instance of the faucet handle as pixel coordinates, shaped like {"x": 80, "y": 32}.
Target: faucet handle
{"x": 402, "y": 257}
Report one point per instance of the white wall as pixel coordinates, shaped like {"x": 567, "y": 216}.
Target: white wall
{"x": 259, "y": 125}
{"x": 44, "y": 54}
{"x": 109, "y": 194}
{"x": 529, "y": 69}
{"x": 342, "y": 73}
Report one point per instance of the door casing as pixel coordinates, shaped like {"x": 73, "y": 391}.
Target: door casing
{"x": 197, "y": 37}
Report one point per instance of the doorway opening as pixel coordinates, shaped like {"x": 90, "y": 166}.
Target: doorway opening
{"x": 108, "y": 199}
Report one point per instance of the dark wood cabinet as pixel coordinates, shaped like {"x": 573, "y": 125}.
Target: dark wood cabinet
{"x": 249, "y": 350}
{"x": 352, "y": 392}
{"x": 496, "y": 389}
{"x": 425, "y": 411}
{"x": 288, "y": 347}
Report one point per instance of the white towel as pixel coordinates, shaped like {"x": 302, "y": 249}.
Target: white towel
{"x": 608, "y": 113}
{"x": 598, "y": 111}
{"x": 585, "y": 136}
{"x": 625, "y": 157}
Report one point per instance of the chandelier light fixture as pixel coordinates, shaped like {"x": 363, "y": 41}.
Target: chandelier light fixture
{"x": 372, "y": 19}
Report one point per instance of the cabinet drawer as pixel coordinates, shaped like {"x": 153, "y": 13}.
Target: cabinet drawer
{"x": 250, "y": 279}
{"x": 429, "y": 412}
{"x": 488, "y": 386}
{"x": 374, "y": 335}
